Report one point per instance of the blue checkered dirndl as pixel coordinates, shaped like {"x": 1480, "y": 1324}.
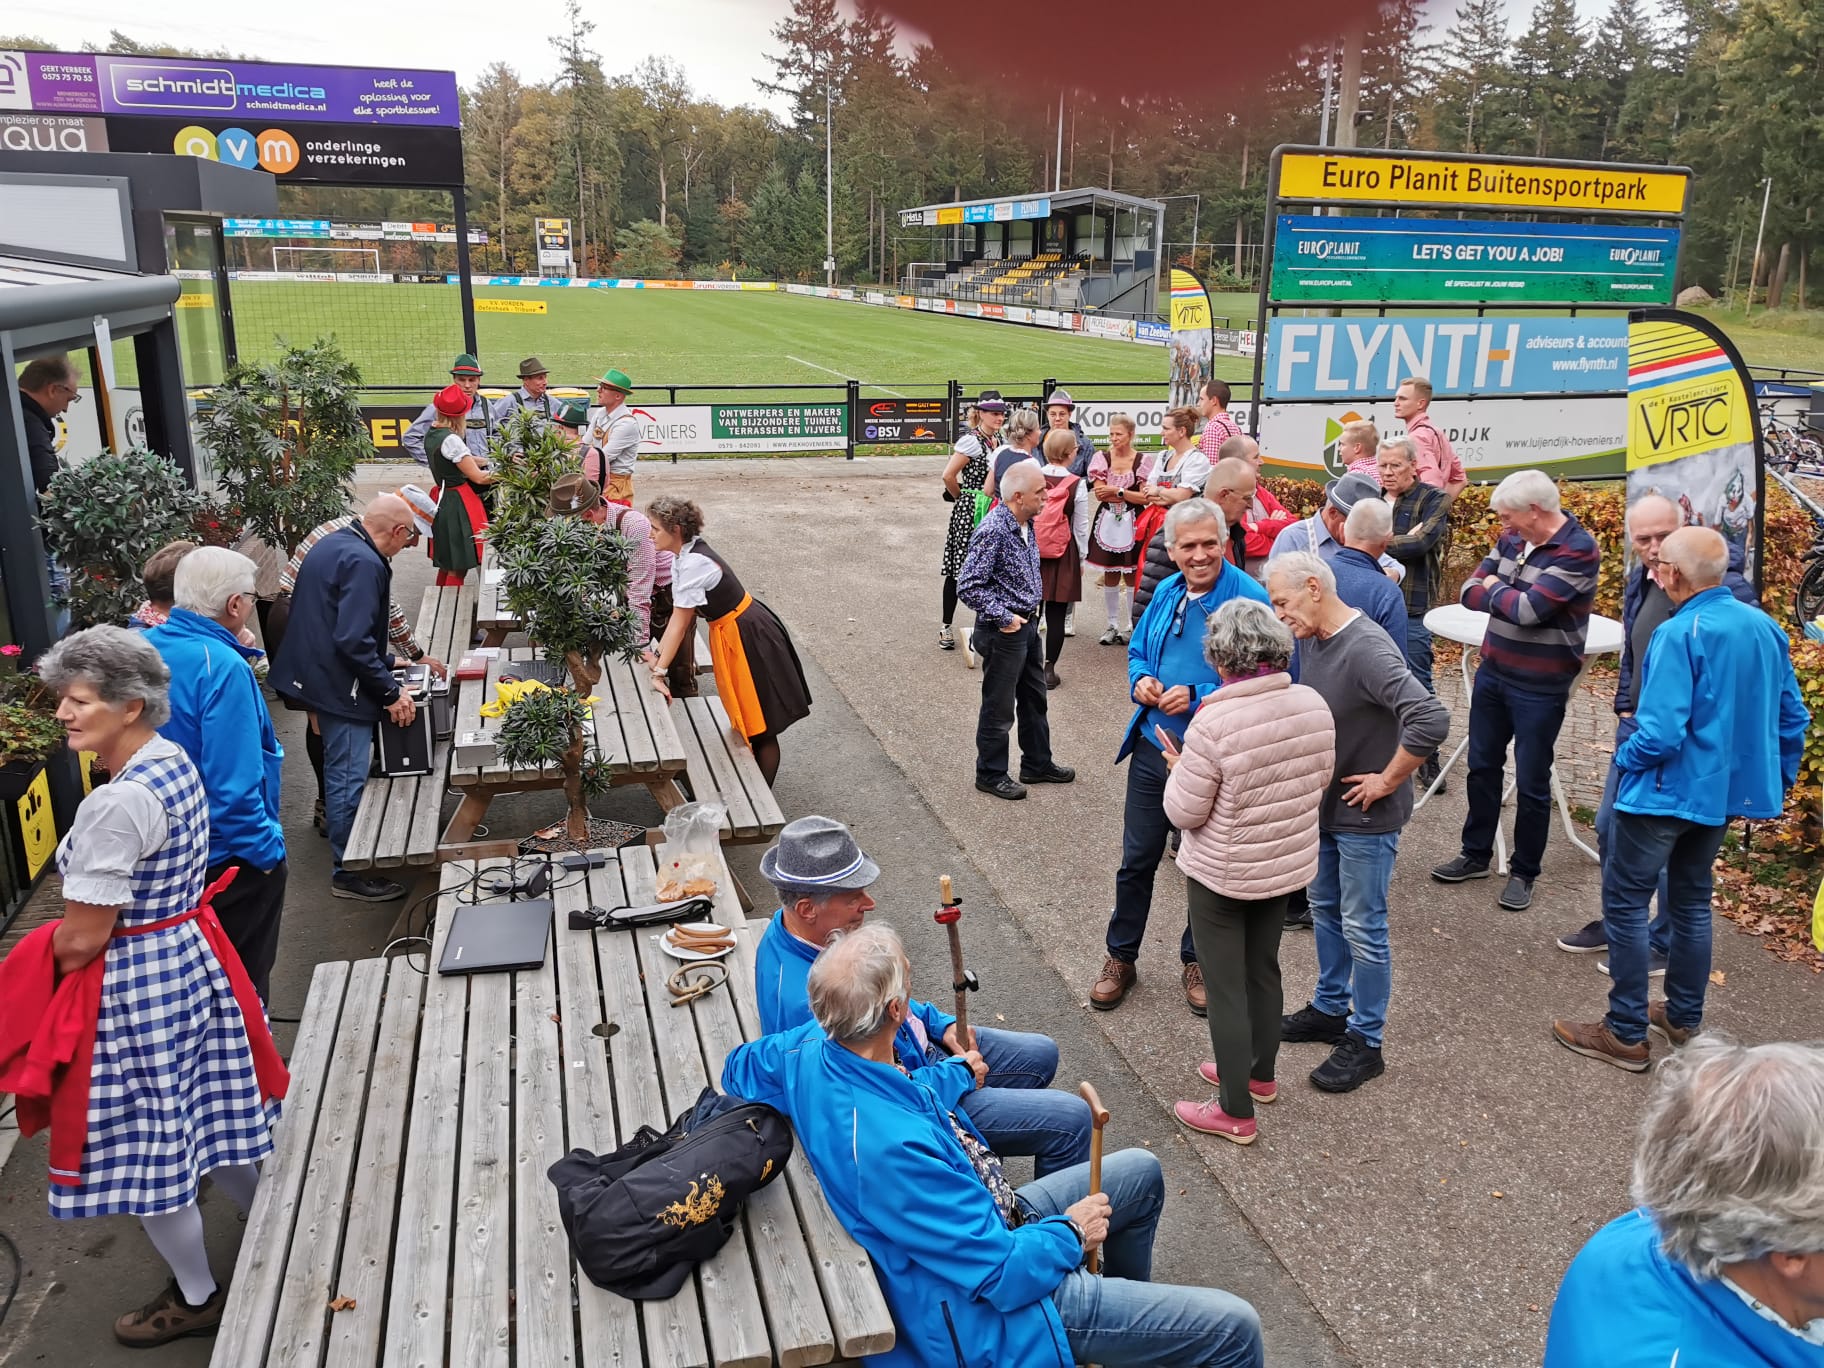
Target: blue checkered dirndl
{"x": 172, "y": 1091}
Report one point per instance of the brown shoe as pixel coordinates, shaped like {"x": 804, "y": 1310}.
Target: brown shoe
{"x": 166, "y": 1318}
{"x": 1657, "y": 1021}
{"x": 1194, "y": 996}
{"x": 1112, "y": 984}
{"x": 1593, "y": 1038}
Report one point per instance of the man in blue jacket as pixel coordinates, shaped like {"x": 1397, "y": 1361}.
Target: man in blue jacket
{"x": 1168, "y": 678}
{"x": 973, "y": 1271}
{"x": 335, "y": 663}
{"x": 220, "y": 719}
{"x": 1723, "y": 1261}
{"x": 823, "y": 880}
{"x": 1718, "y": 735}
{"x": 1644, "y": 606}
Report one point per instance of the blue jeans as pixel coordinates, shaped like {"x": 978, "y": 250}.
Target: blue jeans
{"x": 348, "y": 755}
{"x": 1659, "y": 930}
{"x": 1418, "y": 650}
{"x": 1016, "y": 1110}
{"x": 1119, "y": 1317}
{"x": 1499, "y": 712}
{"x": 1013, "y": 684}
{"x": 1349, "y": 917}
{"x": 1143, "y": 835}
{"x": 1641, "y": 852}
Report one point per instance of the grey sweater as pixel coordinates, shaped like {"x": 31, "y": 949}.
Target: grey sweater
{"x": 1378, "y": 707}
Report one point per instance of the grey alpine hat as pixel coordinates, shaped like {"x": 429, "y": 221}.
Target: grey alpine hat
{"x": 1346, "y": 492}
{"x": 818, "y": 852}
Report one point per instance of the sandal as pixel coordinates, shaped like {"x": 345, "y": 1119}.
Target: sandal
{"x": 166, "y": 1318}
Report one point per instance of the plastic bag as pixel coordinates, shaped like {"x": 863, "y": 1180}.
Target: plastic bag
{"x": 690, "y": 856}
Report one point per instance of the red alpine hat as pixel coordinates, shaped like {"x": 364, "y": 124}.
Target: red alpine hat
{"x": 451, "y": 402}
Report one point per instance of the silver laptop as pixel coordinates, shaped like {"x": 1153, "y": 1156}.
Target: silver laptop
{"x": 495, "y": 936}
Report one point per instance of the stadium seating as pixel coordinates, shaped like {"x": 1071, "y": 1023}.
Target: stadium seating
{"x": 1047, "y": 280}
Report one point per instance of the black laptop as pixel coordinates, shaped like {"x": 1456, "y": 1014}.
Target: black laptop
{"x": 487, "y": 938}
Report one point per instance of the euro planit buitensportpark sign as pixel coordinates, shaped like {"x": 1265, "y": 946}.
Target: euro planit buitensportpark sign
{"x": 1393, "y": 178}
{"x": 1470, "y": 261}
{"x": 735, "y": 428}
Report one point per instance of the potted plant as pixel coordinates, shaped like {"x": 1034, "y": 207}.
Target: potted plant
{"x": 286, "y": 435}
{"x": 566, "y": 579}
{"x": 29, "y": 730}
{"x": 103, "y": 519}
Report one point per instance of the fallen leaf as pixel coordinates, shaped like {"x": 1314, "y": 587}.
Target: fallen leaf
{"x": 1182, "y": 1191}
{"x": 1532, "y": 1306}
{"x": 1718, "y": 977}
{"x": 342, "y": 1304}
{"x": 999, "y": 1016}
{"x": 557, "y": 1019}
{"x": 1497, "y": 1194}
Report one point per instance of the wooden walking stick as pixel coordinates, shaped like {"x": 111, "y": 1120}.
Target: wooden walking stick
{"x": 948, "y": 914}
{"x": 1098, "y": 1118}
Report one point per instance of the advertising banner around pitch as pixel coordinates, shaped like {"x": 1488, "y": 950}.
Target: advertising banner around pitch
{"x": 1470, "y": 261}
{"x": 1368, "y": 177}
{"x": 1693, "y": 431}
{"x": 904, "y": 420}
{"x": 1192, "y": 340}
{"x": 1577, "y": 438}
{"x": 732, "y": 428}
{"x": 1323, "y": 358}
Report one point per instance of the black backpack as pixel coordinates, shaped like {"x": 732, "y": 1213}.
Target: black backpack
{"x": 640, "y": 1219}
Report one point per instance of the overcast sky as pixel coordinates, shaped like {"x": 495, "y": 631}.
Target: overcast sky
{"x": 719, "y": 43}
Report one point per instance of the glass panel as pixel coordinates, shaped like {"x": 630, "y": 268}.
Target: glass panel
{"x": 190, "y": 247}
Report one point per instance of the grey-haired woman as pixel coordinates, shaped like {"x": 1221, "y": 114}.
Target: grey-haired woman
{"x": 1019, "y": 442}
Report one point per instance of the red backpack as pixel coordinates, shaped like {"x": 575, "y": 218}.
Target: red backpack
{"x": 1052, "y": 527}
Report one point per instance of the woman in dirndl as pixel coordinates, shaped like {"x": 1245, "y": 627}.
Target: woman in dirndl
{"x": 462, "y": 518}
{"x": 965, "y": 476}
{"x": 183, "y": 1079}
{"x": 758, "y": 676}
{"x": 1115, "y": 478}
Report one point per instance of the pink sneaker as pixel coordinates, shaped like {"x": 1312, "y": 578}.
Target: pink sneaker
{"x": 1211, "y": 1119}
{"x": 1260, "y": 1092}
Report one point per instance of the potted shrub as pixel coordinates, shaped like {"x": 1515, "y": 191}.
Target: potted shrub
{"x": 286, "y": 435}
{"x": 103, "y": 519}
{"x": 29, "y": 730}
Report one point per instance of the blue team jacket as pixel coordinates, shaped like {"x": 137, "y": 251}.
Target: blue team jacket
{"x": 1624, "y": 1304}
{"x": 782, "y": 966}
{"x": 1720, "y": 725}
{"x": 962, "y": 1287}
{"x": 1147, "y": 643}
{"x": 220, "y": 719}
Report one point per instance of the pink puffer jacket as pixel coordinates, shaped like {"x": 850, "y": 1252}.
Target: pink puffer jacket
{"x": 1246, "y": 794}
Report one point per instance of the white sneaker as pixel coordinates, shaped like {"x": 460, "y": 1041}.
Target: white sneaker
{"x": 1070, "y": 621}
{"x": 1110, "y": 637}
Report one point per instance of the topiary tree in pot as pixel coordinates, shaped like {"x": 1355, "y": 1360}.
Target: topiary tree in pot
{"x": 286, "y": 435}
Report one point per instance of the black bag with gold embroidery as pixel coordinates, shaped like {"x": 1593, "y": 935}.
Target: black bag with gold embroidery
{"x": 640, "y": 1219}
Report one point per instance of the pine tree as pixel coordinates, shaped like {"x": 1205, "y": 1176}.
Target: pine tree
{"x": 1552, "y": 75}
{"x": 1622, "y": 49}
{"x": 1473, "y": 104}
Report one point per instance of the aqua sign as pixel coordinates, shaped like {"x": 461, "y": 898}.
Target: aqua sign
{"x": 1469, "y": 261}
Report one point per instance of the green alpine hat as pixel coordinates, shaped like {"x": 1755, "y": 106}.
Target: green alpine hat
{"x": 572, "y": 413}
{"x": 465, "y": 365}
{"x": 615, "y": 379}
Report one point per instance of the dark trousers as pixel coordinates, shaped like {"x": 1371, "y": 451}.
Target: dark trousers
{"x": 1055, "y": 613}
{"x": 249, "y": 910}
{"x": 1013, "y": 684}
{"x": 1640, "y": 852}
{"x": 1418, "y": 650}
{"x": 1237, "y": 943}
{"x": 1500, "y": 713}
{"x": 1143, "y": 834}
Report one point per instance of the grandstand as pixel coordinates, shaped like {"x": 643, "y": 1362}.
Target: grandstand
{"x": 1086, "y": 250}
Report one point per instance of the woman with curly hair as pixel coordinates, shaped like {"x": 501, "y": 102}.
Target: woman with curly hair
{"x": 758, "y": 676}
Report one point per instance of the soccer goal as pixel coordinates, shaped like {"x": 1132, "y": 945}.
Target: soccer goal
{"x": 333, "y": 259}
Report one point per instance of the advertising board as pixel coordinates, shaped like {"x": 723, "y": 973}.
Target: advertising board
{"x": 1357, "y": 358}
{"x": 903, "y": 420}
{"x": 380, "y": 154}
{"x": 1481, "y": 182}
{"x": 1470, "y": 261}
{"x": 732, "y": 428}
{"x": 52, "y": 133}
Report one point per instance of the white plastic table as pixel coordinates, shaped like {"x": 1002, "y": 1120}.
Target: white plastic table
{"x": 1467, "y": 627}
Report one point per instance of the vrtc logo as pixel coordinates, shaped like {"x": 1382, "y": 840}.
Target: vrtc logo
{"x": 272, "y": 150}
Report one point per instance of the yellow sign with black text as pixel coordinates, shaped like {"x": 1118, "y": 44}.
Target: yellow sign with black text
{"x": 193, "y": 301}
{"x": 1685, "y": 395}
{"x": 1355, "y": 177}
{"x": 511, "y": 306}
{"x": 37, "y": 826}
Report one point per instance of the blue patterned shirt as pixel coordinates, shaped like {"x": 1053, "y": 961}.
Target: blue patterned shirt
{"x": 1000, "y": 574}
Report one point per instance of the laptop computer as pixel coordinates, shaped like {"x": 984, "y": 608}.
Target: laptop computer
{"x": 495, "y": 936}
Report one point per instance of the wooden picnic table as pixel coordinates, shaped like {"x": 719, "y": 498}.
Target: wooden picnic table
{"x": 408, "y": 1188}
{"x": 492, "y": 616}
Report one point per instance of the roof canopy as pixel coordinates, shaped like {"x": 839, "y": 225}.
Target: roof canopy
{"x": 1013, "y": 207}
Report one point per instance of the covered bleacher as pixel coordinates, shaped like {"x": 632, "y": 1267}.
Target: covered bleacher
{"x": 1091, "y": 251}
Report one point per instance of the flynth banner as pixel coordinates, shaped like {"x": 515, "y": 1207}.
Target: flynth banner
{"x": 1469, "y": 261}
{"x": 1192, "y": 340}
{"x": 1481, "y": 182}
{"x": 1365, "y": 358}
{"x": 1693, "y": 431}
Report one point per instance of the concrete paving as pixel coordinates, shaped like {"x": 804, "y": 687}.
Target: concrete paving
{"x": 1424, "y": 1220}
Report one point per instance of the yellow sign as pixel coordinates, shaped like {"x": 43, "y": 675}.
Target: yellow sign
{"x": 1190, "y": 302}
{"x": 952, "y": 215}
{"x": 37, "y": 827}
{"x": 1324, "y": 177}
{"x": 87, "y": 761}
{"x": 194, "y": 301}
{"x": 512, "y": 306}
{"x": 1685, "y": 395}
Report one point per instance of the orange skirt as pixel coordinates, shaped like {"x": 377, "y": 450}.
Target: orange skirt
{"x": 758, "y": 674}
{"x": 734, "y": 676}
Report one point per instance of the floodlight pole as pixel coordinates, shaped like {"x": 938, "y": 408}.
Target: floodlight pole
{"x": 1754, "y": 263}
{"x": 1057, "y": 167}
{"x": 829, "y": 200}
{"x": 1323, "y": 128}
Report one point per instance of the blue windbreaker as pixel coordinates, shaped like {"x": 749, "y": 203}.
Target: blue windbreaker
{"x": 1720, "y": 725}
{"x": 1148, "y": 641}
{"x": 964, "y": 1290}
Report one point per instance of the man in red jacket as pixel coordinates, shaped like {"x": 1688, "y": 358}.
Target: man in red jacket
{"x": 1266, "y": 517}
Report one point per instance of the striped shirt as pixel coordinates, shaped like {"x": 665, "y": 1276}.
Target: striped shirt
{"x": 1539, "y": 613}
{"x": 398, "y": 630}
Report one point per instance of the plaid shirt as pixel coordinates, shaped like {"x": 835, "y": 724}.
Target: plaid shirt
{"x": 1421, "y": 532}
{"x": 1218, "y": 430}
{"x": 1000, "y": 574}
{"x": 398, "y": 630}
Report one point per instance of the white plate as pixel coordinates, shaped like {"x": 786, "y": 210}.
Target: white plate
{"x": 692, "y": 956}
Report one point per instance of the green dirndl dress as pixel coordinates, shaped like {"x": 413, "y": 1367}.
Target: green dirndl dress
{"x": 461, "y": 516}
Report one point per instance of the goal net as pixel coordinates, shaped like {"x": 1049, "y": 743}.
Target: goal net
{"x": 327, "y": 259}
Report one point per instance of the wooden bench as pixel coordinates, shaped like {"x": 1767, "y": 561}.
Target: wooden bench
{"x": 396, "y": 824}
{"x": 408, "y": 1187}
{"x": 720, "y": 767}
{"x": 493, "y": 618}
